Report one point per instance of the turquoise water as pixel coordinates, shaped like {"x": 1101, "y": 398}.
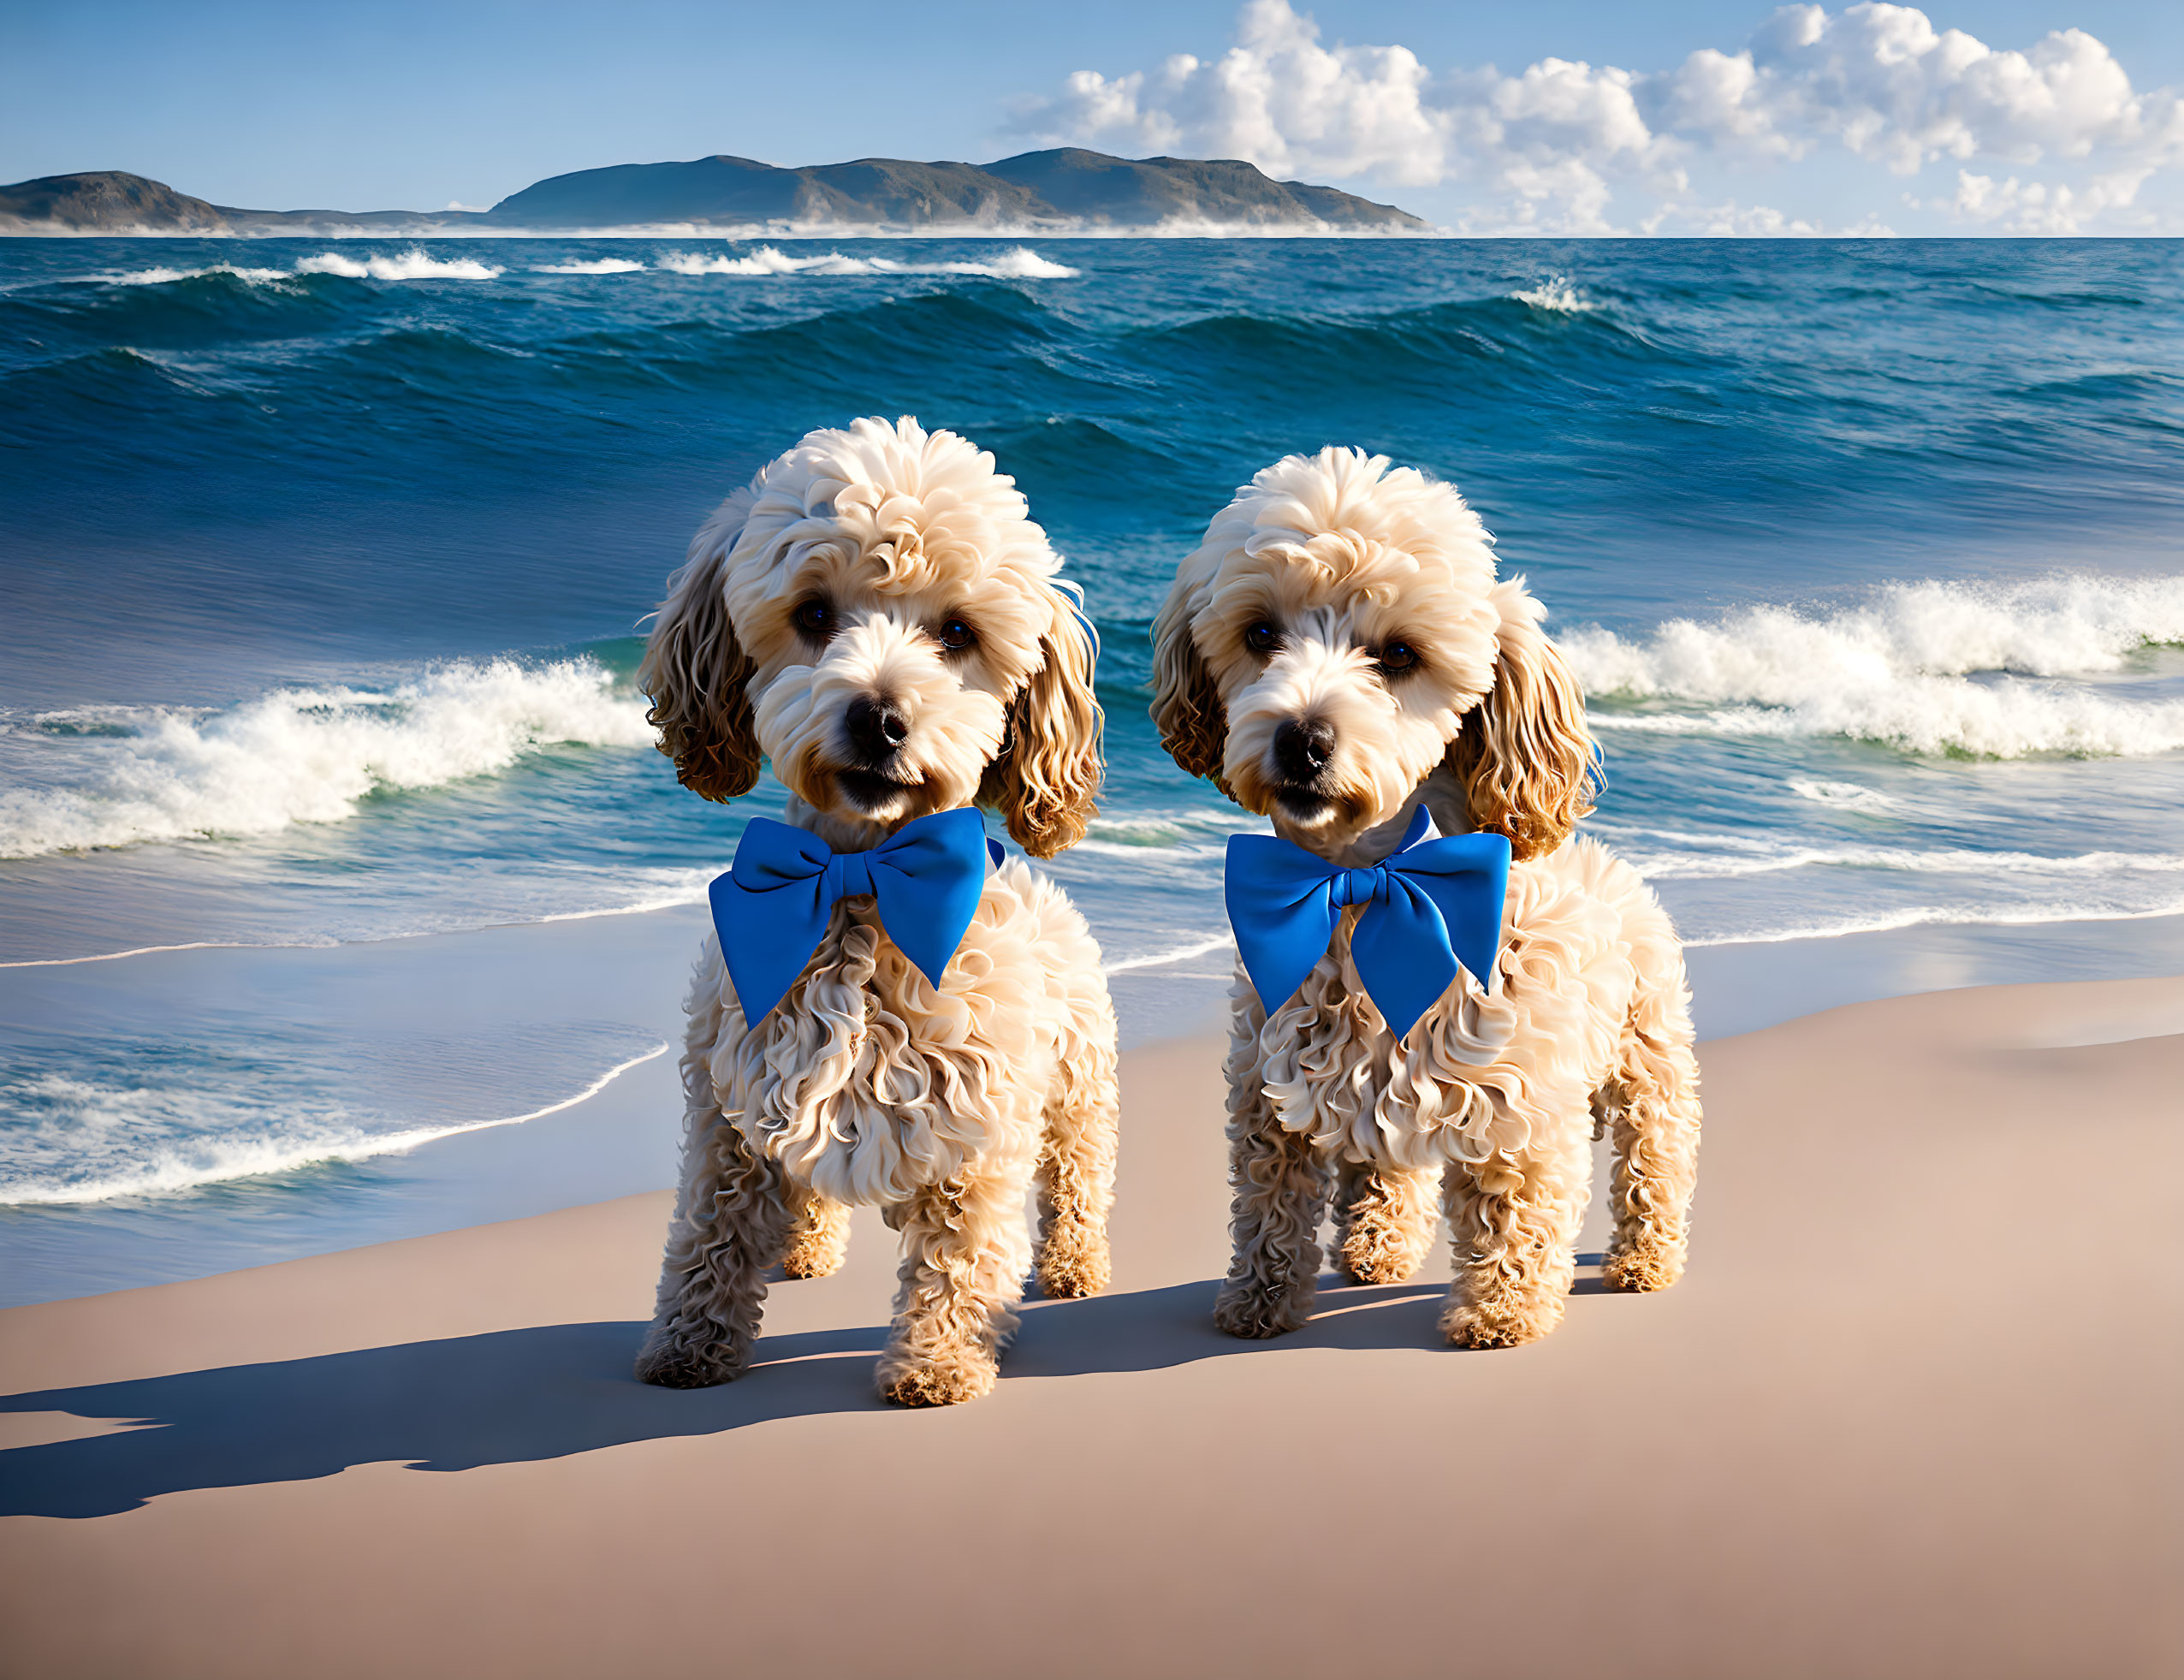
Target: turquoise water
{"x": 322, "y": 564}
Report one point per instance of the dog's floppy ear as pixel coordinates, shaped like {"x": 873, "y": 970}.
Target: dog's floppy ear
{"x": 696, "y": 673}
{"x": 1187, "y": 707}
{"x": 1047, "y": 776}
{"x": 1524, "y": 754}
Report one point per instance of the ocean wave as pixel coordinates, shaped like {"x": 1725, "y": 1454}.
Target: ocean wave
{"x": 1843, "y": 795}
{"x": 1941, "y": 916}
{"x": 1499, "y": 348}
{"x": 216, "y": 1135}
{"x": 1019, "y": 263}
{"x": 1196, "y": 947}
{"x": 124, "y": 775}
{"x": 1772, "y": 858}
{"x": 458, "y": 897}
{"x": 1557, "y": 296}
{"x": 1168, "y": 831}
{"x": 1930, "y": 667}
{"x": 414, "y": 264}
{"x": 168, "y": 276}
{"x": 603, "y": 265}
{"x": 134, "y": 951}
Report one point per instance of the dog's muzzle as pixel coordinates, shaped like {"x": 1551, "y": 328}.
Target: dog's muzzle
{"x": 876, "y": 728}
{"x": 1302, "y": 750}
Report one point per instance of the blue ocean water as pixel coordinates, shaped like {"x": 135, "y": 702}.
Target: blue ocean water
{"x": 321, "y": 564}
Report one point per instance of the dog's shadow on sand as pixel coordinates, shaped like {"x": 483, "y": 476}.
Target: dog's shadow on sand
{"x": 516, "y": 1396}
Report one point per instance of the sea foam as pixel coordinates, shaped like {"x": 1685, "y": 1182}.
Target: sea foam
{"x": 163, "y": 277}
{"x": 1019, "y": 263}
{"x": 1557, "y": 295}
{"x": 414, "y": 264}
{"x": 1930, "y": 667}
{"x": 122, "y": 775}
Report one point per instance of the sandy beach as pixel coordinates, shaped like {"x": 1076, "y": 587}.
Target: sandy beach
{"x": 1911, "y": 1413}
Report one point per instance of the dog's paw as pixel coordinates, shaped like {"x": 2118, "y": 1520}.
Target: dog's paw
{"x": 942, "y": 1381}
{"x": 1486, "y": 1324}
{"x": 1073, "y": 1265}
{"x": 1385, "y": 1238}
{"x": 1641, "y": 1267}
{"x": 818, "y": 1240}
{"x": 1370, "y": 1258}
{"x": 1250, "y": 1311}
{"x": 812, "y": 1257}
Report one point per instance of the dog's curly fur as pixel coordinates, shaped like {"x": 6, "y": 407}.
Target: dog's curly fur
{"x": 841, "y": 575}
{"x": 1356, "y": 601}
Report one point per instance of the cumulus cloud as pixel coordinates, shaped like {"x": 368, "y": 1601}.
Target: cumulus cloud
{"x": 1567, "y": 146}
{"x": 1890, "y": 87}
{"x": 2033, "y": 207}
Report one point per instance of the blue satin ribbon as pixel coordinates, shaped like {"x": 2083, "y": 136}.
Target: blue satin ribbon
{"x": 1431, "y": 905}
{"x": 771, "y": 908}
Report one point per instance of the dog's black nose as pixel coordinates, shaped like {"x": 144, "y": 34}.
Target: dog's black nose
{"x": 876, "y": 728}
{"x": 1302, "y": 749}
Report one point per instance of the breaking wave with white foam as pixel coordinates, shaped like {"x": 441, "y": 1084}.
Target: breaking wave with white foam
{"x": 1556, "y": 295}
{"x": 415, "y": 263}
{"x": 114, "y": 776}
{"x": 1019, "y": 263}
{"x": 1990, "y": 670}
{"x": 602, "y": 266}
{"x": 168, "y": 277}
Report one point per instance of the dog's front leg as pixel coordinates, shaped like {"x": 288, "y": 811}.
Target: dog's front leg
{"x": 1514, "y": 1226}
{"x": 818, "y": 1238}
{"x": 1652, "y": 1106}
{"x": 731, "y": 1225}
{"x": 1278, "y": 1189}
{"x": 1076, "y": 1172}
{"x": 965, "y": 1252}
{"x": 1384, "y": 1221}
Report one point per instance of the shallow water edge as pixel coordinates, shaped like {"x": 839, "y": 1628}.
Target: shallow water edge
{"x": 499, "y": 984}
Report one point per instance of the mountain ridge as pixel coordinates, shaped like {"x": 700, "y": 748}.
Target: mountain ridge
{"x": 1062, "y": 191}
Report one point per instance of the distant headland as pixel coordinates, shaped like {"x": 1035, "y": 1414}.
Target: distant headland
{"x": 1064, "y": 190}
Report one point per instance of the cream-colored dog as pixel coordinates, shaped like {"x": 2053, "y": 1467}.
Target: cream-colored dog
{"x": 876, "y": 615}
{"x": 1336, "y": 652}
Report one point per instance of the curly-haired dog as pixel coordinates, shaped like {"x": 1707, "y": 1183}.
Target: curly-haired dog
{"x": 1336, "y": 653}
{"x": 876, "y": 615}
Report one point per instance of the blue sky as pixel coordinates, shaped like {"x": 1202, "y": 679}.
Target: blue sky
{"x": 1697, "y": 116}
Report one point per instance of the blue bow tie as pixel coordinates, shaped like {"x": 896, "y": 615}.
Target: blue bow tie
{"x": 771, "y": 908}
{"x": 1433, "y": 904}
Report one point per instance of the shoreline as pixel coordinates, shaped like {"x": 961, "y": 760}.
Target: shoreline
{"x": 623, "y": 1139}
{"x": 1860, "y": 1435}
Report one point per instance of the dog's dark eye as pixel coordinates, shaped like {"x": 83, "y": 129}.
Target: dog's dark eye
{"x": 1398, "y": 657}
{"x": 956, "y": 635}
{"x": 1262, "y": 638}
{"x": 815, "y": 618}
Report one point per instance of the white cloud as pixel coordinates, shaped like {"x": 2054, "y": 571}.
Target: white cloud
{"x": 1882, "y": 81}
{"x": 2013, "y": 206}
{"x": 1564, "y": 146}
